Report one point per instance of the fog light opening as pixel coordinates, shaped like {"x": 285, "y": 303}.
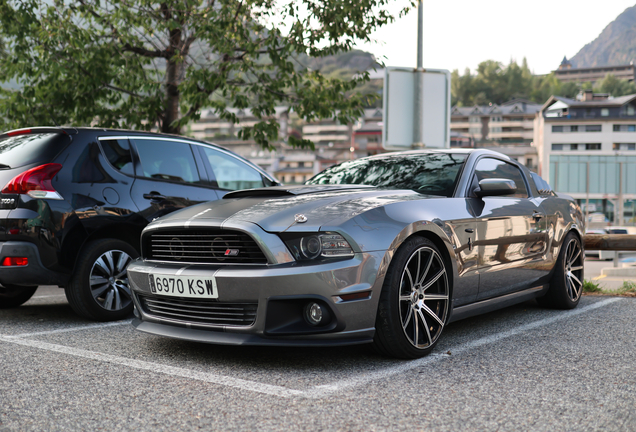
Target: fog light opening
{"x": 15, "y": 261}
{"x": 314, "y": 314}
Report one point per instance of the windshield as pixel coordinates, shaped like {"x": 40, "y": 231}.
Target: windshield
{"x": 427, "y": 173}
{"x": 20, "y": 150}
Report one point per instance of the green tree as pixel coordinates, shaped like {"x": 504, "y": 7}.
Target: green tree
{"x": 614, "y": 86}
{"x": 494, "y": 83}
{"x": 147, "y": 64}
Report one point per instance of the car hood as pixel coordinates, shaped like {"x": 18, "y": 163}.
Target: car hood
{"x": 274, "y": 209}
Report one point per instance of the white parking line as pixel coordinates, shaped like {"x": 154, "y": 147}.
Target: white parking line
{"x": 320, "y": 391}
{"x": 69, "y": 329}
{"x": 325, "y": 390}
{"x": 159, "y": 368}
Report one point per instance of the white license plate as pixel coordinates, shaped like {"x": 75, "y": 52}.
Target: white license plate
{"x": 183, "y": 286}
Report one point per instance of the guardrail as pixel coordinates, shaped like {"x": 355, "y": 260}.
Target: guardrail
{"x": 615, "y": 242}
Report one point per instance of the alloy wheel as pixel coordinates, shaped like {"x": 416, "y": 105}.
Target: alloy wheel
{"x": 573, "y": 270}
{"x": 109, "y": 281}
{"x": 424, "y": 297}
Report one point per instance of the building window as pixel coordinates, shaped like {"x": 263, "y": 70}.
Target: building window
{"x": 474, "y": 119}
{"x": 624, "y": 128}
{"x": 557, "y": 147}
{"x": 557, "y": 129}
{"x": 596, "y": 146}
{"x": 592, "y": 128}
{"x": 604, "y": 112}
{"x": 574, "y": 146}
{"x": 529, "y": 163}
{"x": 624, "y": 146}
{"x": 628, "y": 110}
{"x": 574, "y": 128}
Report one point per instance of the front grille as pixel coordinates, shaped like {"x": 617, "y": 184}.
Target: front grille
{"x": 200, "y": 311}
{"x": 203, "y": 246}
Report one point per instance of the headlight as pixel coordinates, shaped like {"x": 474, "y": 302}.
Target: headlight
{"x": 317, "y": 246}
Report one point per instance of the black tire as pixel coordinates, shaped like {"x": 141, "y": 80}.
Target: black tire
{"x": 566, "y": 285}
{"x": 99, "y": 288}
{"x": 413, "y": 311}
{"x": 12, "y": 296}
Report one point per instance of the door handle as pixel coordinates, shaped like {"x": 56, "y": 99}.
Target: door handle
{"x": 154, "y": 196}
{"x": 469, "y": 230}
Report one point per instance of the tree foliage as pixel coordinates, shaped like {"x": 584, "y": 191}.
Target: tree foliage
{"x": 494, "y": 83}
{"x": 146, "y": 64}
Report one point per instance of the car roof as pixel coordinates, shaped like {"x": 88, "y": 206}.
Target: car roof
{"x": 440, "y": 150}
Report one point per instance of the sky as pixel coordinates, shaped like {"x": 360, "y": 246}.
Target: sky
{"x": 459, "y": 34}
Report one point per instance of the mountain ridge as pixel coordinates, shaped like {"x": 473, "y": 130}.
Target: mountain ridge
{"x": 616, "y": 45}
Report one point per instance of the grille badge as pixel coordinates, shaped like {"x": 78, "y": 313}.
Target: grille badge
{"x": 176, "y": 248}
{"x": 300, "y": 218}
{"x": 231, "y": 252}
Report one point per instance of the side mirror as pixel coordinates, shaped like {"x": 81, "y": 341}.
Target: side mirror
{"x": 495, "y": 187}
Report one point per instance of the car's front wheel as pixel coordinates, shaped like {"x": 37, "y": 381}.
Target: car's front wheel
{"x": 566, "y": 285}
{"x": 13, "y": 296}
{"x": 415, "y": 301}
{"x": 99, "y": 287}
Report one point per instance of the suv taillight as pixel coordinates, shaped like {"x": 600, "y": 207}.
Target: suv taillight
{"x": 35, "y": 182}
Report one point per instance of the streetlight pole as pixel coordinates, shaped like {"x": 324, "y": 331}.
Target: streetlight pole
{"x": 418, "y": 140}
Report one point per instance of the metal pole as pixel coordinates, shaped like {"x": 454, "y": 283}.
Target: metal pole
{"x": 618, "y": 220}
{"x": 418, "y": 140}
{"x": 587, "y": 195}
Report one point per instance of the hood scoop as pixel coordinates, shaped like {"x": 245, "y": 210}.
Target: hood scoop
{"x": 280, "y": 191}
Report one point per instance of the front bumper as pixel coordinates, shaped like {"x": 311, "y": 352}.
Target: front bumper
{"x": 274, "y": 295}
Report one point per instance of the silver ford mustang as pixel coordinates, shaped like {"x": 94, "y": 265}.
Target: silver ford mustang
{"x": 387, "y": 250}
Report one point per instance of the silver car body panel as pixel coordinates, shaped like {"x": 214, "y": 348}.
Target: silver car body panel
{"x": 475, "y": 239}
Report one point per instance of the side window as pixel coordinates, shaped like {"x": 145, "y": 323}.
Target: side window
{"x": 167, "y": 160}
{"x": 542, "y": 185}
{"x": 117, "y": 151}
{"x": 232, "y": 173}
{"x": 492, "y": 168}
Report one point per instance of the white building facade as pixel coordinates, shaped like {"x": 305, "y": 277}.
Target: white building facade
{"x": 587, "y": 149}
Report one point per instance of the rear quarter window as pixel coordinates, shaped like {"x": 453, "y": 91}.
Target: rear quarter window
{"x": 21, "y": 150}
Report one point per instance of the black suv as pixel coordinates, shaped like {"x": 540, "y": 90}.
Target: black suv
{"x": 74, "y": 201}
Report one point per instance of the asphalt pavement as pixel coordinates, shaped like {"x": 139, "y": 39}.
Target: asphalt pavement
{"x": 521, "y": 368}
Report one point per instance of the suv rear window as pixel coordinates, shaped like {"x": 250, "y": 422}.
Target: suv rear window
{"x": 20, "y": 150}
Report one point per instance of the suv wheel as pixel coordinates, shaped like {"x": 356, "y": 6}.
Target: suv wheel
{"x": 99, "y": 286}
{"x": 13, "y": 296}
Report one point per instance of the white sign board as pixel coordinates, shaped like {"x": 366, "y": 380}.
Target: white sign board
{"x": 399, "y": 100}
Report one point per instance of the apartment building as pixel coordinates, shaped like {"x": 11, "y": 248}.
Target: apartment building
{"x": 509, "y": 123}
{"x": 587, "y": 149}
{"x": 334, "y": 142}
{"x": 507, "y": 128}
{"x": 566, "y": 73}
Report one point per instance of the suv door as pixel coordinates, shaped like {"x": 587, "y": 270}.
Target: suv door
{"x": 168, "y": 177}
{"x": 511, "y": 238}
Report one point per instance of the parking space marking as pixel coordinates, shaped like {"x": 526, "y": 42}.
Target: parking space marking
{"x": 158, "y": 368}
{"x": 326, "y": 390}
{"x": 69, "y": 329}
{"x": 317, "y": 392}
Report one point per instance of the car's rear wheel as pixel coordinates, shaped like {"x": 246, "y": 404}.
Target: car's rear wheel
{"x": 414, "y": 303}
{"x": 99, "y": 287}
{"x": 13, "y": 295}
{"x": 566, "y": 285}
